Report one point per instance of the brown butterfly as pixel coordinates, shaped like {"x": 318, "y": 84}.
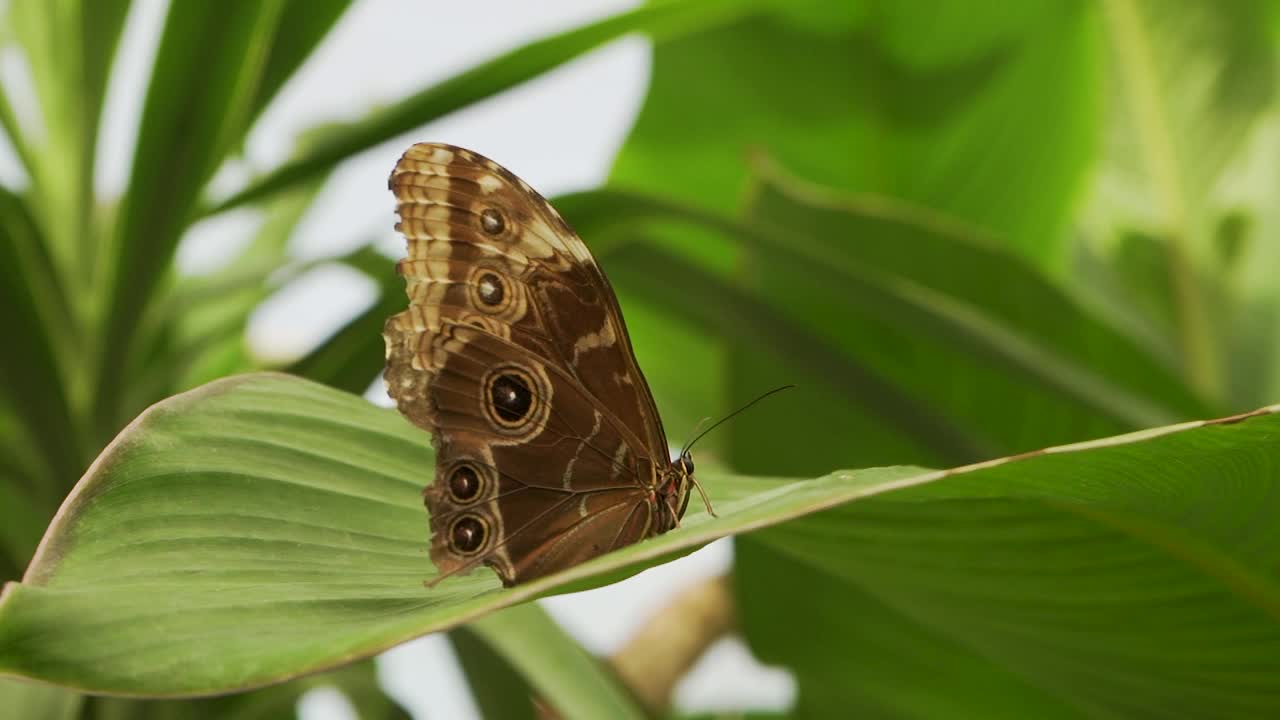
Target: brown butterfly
{"x": 514, "y": 356}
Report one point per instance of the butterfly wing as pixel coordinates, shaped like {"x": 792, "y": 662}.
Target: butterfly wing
{"x": 513, "y": 353}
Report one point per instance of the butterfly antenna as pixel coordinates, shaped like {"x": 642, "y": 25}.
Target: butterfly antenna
{"x": 726, "y": 418}
{"x": 694, "y": 432}
{"x": 431, "y": 584}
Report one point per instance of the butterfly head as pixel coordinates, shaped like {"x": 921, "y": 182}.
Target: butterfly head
{"x": 684, "y": 480}
{"x": 678, "y": 483}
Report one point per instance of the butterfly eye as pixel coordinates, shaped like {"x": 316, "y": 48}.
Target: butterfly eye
{"x": 467, "y": 534}
{"x": 686, "y": 464}
{"x": 490, "y": 289}
{"x": 491, "y": 221}
{"x": 510, "y": 397}
{"x": 464, "y": 483}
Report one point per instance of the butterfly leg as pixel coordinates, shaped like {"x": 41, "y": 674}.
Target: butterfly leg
{"x": 705, "y": 500}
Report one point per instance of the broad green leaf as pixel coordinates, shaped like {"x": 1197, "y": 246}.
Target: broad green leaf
{"x": 1133, "y": 576}
{"x": 277, "y": 526}
{"x": 660, "y": 19}
{"x": 871, "y": 660}
{"x": 182, "y": 139}
{"x": 578, "y": 685}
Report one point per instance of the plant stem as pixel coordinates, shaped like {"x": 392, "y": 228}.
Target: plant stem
{"x": 673, "y": 639}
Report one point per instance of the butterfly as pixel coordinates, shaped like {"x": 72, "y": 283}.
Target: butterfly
{"x": 514, "y": 355}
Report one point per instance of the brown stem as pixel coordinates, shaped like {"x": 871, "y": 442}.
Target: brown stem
{"x": 672, "y": 639}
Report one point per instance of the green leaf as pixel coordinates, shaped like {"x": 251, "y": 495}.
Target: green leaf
{"x": 1190, "y": 80}
{"x": 277, "y": 525}
{"x": 709, "y": 305}
{"x": 936, "y": 33}
{"x": 664, "y": 18}
{"x": 573, "y": 681}
{"x": 864, "y": 282}
{"x": 35, "y": 383}
{"x": 303, "y": 24}
{"x": 182, "y": 139}
{"x": 358, "y": 683}
{"x": 806, "y": 358}
{"x": 206, "y": 316}
{"x": 1134, "y": 576}
{"x": 964, "y": 136}
{"x": 353, "y": 357}
{"x": 23, "y": 514}
{"x": 498, "y": 689}
{"x": 22, "y": 147}
{"x": 880, "y": 663}
{"x": 238, "y": 519}
{"x": 69, "y": 48}
{"x": 941, "y": 311}
{"x": 34, "y": 701}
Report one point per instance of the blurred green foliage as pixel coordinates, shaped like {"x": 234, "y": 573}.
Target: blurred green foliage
{"x": 965, "y": 230}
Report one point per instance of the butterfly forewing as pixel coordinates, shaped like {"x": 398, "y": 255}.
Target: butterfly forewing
{"x": 514, "y": 355}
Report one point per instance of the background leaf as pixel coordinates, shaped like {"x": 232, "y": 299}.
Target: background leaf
{"x": 499, "y": 691}
{"x": 69, "y": 47}
{"x": 554, "y": 664}
{"x": 871, "y": 116}
{"x": 1189, "y": 82}
{"x": 303, "y": 25}
{"x": 909, "y": 294}
{"x": 661, "y": 18}
{"x": 34, "y": 379}
{"x": 357, "y": 683}
{"x": 224, "y": 51}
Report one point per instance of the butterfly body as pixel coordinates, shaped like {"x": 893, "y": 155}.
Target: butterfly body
{"x": 514, "y": 355}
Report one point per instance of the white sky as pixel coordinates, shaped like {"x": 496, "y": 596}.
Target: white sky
{"x": 559, "y": 132}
